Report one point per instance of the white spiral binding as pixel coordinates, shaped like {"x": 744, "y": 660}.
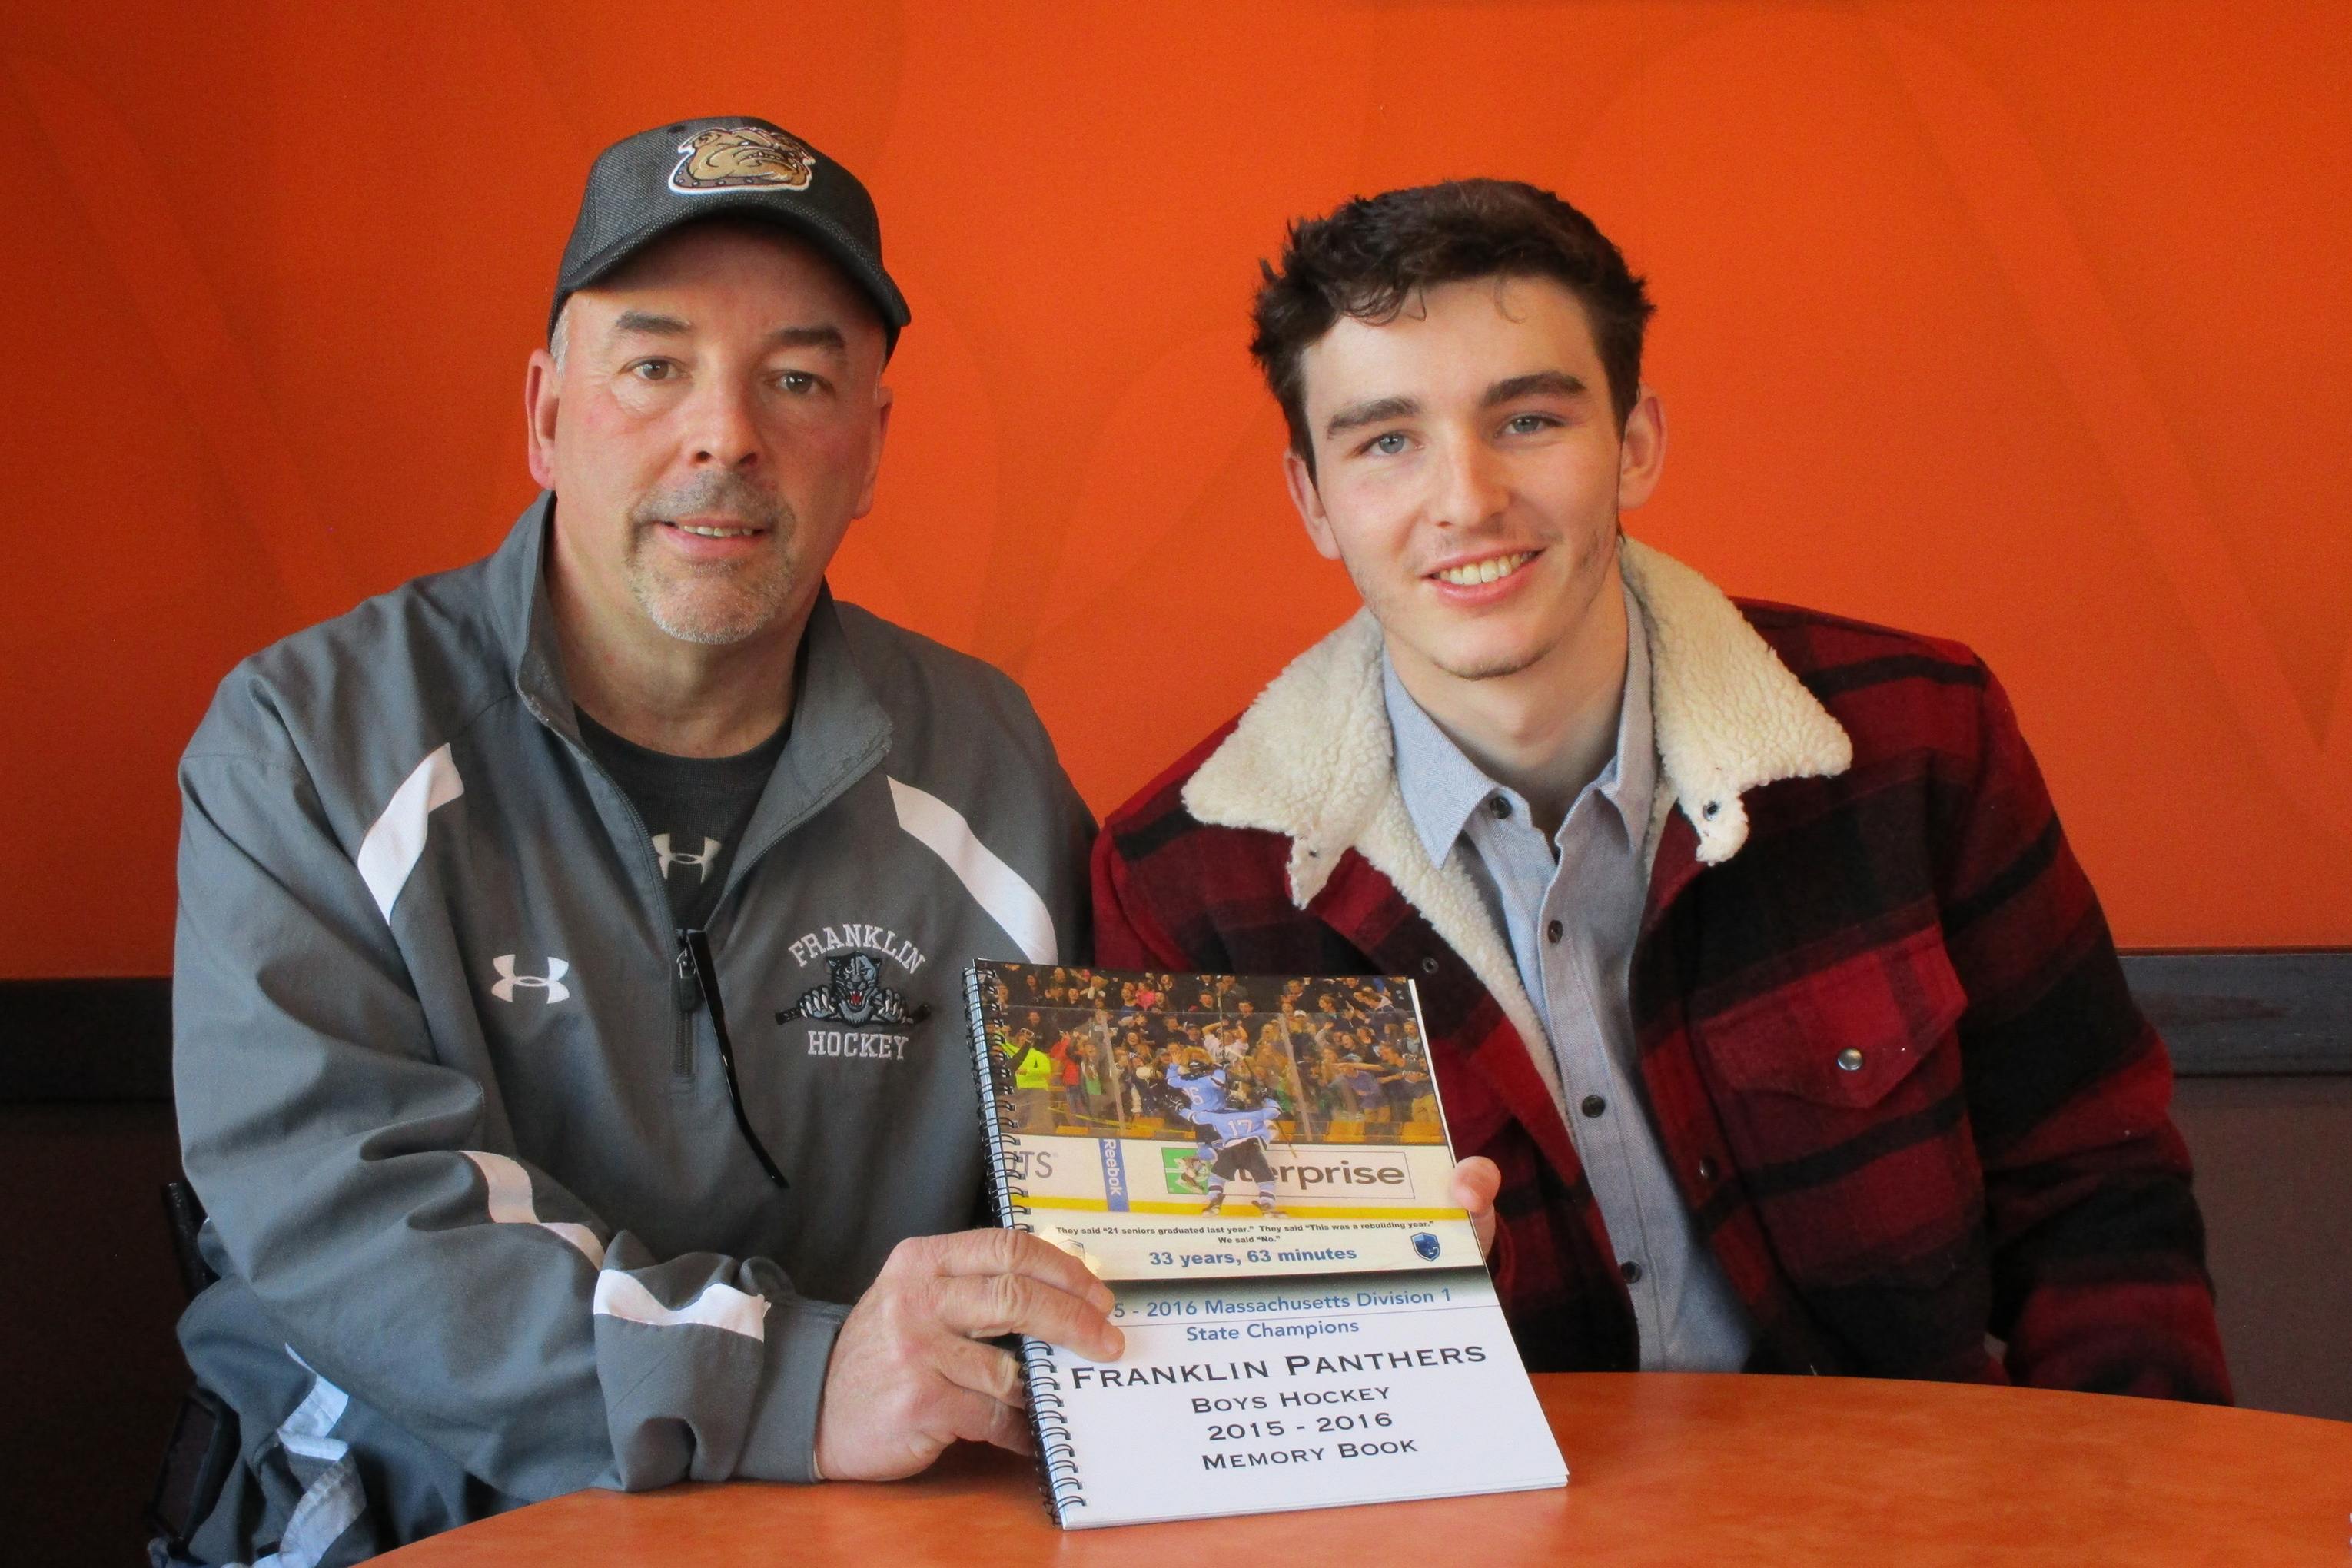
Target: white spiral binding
{"x": 1057, "y": 1456}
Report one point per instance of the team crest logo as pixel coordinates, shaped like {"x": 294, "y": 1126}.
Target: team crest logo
{"x": 855, "y": 994}
{"x": 1426, "y": 1244}
{"x": 728, "y": 158}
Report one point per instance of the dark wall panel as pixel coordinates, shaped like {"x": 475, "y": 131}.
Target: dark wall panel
{"x": 87, "y": 1305}
{"x": 2275, "y": 1177}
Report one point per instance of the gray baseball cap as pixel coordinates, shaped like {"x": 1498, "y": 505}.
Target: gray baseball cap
{"x": 641, "y": 188}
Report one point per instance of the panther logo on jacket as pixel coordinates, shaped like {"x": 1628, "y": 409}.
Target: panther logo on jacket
{"x": 855, "y": 994}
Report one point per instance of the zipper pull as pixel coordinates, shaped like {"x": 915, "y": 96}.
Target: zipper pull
{"x": 685, "y": 987}
{"x": 696, "y": 968}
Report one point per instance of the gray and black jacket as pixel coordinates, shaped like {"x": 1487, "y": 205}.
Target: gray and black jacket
{"x": 486, "y": 1229}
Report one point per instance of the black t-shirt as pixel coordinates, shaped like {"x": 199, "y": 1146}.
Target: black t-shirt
{"x": 696, "y": 808}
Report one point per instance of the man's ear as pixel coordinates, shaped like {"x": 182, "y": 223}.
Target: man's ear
{"x": 1641, "y": 450}
{"x": 884, "y": 400}
{"x": 542, "y": 391}
{"x": 1309, "y": 502}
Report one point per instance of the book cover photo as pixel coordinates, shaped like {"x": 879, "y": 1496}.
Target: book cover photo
{"x": 1259, "y": 1168}
{"x": 1225, "y": 1124}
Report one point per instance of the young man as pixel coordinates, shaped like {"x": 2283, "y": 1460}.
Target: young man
{"x": 539, "y": 1153}
{"x": 1751, "y": 950}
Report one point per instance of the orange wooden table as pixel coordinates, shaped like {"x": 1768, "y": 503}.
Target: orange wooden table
{"x": 1667, "y": 1469}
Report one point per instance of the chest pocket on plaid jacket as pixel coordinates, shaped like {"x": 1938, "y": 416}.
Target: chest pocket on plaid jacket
{"x": 1841, "y": 1094}
{"x": 1844, "y": 1036}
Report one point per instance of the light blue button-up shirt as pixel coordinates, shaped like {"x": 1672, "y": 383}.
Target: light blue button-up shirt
{"x": 1573, "y": 908}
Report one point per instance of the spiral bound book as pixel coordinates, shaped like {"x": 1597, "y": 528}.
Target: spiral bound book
{"x": 1258, "y": 1168}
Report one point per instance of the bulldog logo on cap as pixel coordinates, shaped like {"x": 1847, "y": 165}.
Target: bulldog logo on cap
{"x": 728, "y": 158}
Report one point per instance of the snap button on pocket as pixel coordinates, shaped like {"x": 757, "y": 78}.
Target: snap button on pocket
{"x": 1845, "y": 1036}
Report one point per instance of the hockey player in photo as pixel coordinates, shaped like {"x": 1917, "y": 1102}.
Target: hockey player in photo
{"x": 1241, "y": 1131}
{"x": 1199, "y": 1080}
{"x": 1196, "y": 1075}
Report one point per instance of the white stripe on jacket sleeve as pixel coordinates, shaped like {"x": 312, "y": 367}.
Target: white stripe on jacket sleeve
{"x": 392, "y": 847}
{"x": 625, "y": 1297}
{"x": 510, "y": 1203}
{"x": 335, "y": 1500}
{"x": 998, "y": 889}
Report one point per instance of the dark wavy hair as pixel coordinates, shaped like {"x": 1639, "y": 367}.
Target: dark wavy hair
{"x": 1369, "y": 258}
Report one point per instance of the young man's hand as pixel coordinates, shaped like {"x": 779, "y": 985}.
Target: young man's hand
{"x": 1475, "y": 1182}
{"x": 909, "y": 1374}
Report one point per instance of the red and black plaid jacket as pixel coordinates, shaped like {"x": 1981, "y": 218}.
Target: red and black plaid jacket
{"x": 2000, "y": 1163}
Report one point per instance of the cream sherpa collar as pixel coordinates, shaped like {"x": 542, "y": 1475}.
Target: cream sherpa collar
{"x": 1311, "y": 760}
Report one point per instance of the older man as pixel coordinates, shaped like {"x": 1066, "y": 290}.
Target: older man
{"x": 567, "y": 1021}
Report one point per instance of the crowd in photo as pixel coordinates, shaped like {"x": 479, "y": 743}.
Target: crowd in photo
{"x": 1090, "y": 1053}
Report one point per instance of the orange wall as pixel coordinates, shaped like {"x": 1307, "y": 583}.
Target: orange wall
{"x": 2023, "y": 323}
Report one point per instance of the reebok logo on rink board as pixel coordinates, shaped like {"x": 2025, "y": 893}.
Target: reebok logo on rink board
{"x": 550, "y": 984}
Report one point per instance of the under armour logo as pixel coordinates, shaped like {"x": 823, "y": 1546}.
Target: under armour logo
{"x": 551, "y": 982}
{"x": 679, "y": 857}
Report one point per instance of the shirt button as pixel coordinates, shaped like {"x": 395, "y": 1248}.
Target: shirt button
{"x": 1706, "y": 1168}
{"x": 1429, "y": 966}
{"x": 1498, "y": 807}
{"x": 1554, "y": 931}
{"x": 1850, "y": 1059}
{"x": 1630, "y": 1270}
{"x": 1592, "y": 1105}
